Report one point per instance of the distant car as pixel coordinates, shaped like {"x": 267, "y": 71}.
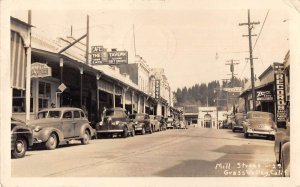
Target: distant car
{"x": 163, "y": 125}
{"x": 282, "y": 149}
{"x": 155, "y": 124}
{"x": 259, "y": 124}
{"x": 56, "y": 125}
{"x": 21, "y": 138}
{"x": 115, "y": 121}
{"x": 237, "y": 125}
{"x": 141, "y": 123}
{"x": 182, "y": 125}
{"x": 176, "y": 124}
{"x": 230, "y": 121}
{"x": 169, "y": 122}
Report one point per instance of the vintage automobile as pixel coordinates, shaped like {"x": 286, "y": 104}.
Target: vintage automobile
{"x": 282, "y": 149}
{"x": 259, "y": 124}
{"x": 237, "y": 125}
{"x": 182, "y": 125}
{"x": 141, "y": 123}
{"x": 230, "y": 121}
{"x": 169, "y": 122}
{"x": 155, "y": 124}
{"x": 115, "y": 121}
{"x": 21, "y": 138}
{"x": 54, "y": 126}
{"x": 163, "y": 125}
{"x": 176, "y": 124}
{"x": 285, "y": 159}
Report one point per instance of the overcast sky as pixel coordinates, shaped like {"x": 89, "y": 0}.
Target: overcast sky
{"x": 192, "y": 45}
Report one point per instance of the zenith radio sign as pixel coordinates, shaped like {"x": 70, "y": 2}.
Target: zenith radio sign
{"x": 279, "y": 78}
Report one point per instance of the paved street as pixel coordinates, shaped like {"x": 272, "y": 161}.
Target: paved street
{"x": 194, "y": 152}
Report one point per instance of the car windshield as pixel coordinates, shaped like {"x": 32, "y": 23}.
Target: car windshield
{"x": 170, "y": 119}
{"x": 51, "y": 114}
{"x": 136, "y": 116}
{"x": 114, "y": 113}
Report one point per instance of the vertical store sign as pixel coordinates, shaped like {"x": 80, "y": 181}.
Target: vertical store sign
{"x": 157, "y": 89}
{"x": 280, "y": 95}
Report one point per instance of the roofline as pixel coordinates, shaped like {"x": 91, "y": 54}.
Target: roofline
{"x": 20, "y": 21}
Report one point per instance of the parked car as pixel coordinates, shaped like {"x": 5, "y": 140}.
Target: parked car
{"x": 285, "y": 159}
{"x": 239, "y": 118}
{"x": 115, "y": 121}
{"x": 141, "y": 123}
{"x": 182, "y": 125}
{"x": 282, "y": 149}
{"x": 155, "y": 124}
{"x": 56, "y": 125}
{"x": 176, "y": 124}
{"x": 259, "y": 124}
{"x": 21, "y": 138}
{"x": 169, "y": 122}
{"x": 230, "y": 121}
{"x": 163, "y": 125}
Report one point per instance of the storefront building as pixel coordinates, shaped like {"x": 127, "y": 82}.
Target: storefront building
{"x": 65, "y": 79}
{"x": 270, "y": 92}
{"x": 207, "y": 117}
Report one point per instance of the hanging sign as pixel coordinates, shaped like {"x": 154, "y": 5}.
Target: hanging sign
{"x": 279, "y": 78}
{"x": 264, "y": 95}
{"x": 40, "y": 70}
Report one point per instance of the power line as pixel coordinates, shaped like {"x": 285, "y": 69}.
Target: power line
{"x": 243, "y": 69}
{"x": 261, "y": 29}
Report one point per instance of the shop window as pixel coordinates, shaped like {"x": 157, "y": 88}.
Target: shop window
{"x": 44, "y": 94}
{"x": 19, "y": 101}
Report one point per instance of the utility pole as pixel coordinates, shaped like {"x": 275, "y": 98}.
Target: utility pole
{"x": 232, "y": 64}
{"x": 28, "y": 70}
{"x": 250, "y": 27}
{"x": 87, "y": 38}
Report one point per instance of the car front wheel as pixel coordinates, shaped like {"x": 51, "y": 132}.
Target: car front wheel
{"x": 143, "y": 131}
{"x": 86, "y": 138}
{"x": 20, "y": 148}
{"x": 52, "y": 141}
{"x": 125, "y": 132}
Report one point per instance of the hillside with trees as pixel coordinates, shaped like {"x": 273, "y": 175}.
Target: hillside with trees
{"x": 205, "y": 94}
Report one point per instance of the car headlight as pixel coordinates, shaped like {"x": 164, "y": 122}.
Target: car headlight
{"x": 250, "y": 129}
{"x": 37, "y": 129}
{"x": 136, "y": 123}
{"x": 116, "y": 123}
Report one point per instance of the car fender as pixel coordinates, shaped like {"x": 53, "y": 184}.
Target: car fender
{"x": 25, "y": 132}
{"x": 45, "y": 133}
{"x": 285, "y": 152}
{"x": 84, "y": 127}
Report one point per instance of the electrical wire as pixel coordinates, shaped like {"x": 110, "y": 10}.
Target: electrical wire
{"x": 243, "y": 69}
{"x": 261, "y": 29}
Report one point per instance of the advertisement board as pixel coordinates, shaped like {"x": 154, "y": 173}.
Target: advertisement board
{"x": 264, "y": 95}
{"x": 157, "y": 89}
{"x": 100, "y": 56}
{"x": 40, "y": 70}
{"x": 117, "y": 57}
{"x": 279, "y": 80}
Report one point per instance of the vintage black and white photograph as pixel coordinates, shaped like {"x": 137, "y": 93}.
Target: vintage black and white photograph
{"x": 148, "y": 93}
